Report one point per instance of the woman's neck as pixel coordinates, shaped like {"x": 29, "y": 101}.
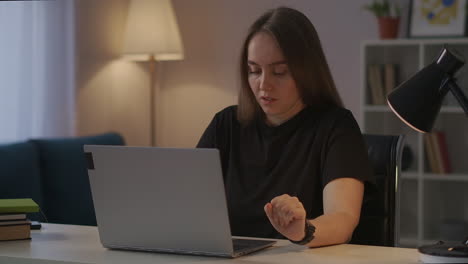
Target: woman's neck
{"x": 278, "y": 119}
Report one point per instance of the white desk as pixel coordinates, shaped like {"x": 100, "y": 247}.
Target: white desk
{"x": 68, "y": 243}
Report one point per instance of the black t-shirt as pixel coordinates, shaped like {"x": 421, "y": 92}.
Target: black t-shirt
{"x": 298, "y": 157}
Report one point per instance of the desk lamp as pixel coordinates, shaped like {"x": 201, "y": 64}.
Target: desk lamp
{"x": 417, "y": 102}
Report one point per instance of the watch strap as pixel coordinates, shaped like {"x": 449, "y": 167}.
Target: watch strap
{"x": 309, "y": 234}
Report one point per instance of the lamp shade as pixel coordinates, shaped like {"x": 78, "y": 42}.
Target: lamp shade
{"x": 418, "y": 100}
{"x": 152, "y": 31}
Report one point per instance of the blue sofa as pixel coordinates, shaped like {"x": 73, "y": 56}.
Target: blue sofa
{"x": 53, "y": 172}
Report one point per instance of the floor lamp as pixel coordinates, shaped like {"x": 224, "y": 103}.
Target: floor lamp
{"x": 152, "y": 35}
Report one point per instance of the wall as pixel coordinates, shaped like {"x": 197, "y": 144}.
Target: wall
{"x": 113, "y": 93}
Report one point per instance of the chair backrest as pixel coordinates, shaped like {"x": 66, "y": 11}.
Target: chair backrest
{"x": 379, "y": 223}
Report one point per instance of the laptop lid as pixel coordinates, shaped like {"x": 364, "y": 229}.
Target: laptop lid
{"x": 160, "y": 199}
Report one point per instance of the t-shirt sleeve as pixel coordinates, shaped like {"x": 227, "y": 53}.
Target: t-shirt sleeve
{"x": 208, "y": 138}
{"x": 218, "y": 132}
{"x": 346, "y": 153}
{"x": 217, "y": 135}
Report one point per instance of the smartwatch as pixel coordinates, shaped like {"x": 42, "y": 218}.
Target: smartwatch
{"x": 309, "y": 234}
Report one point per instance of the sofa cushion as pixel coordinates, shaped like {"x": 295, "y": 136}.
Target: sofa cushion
{"x": 20, "y": 174}
{"x": 67, "y": 194}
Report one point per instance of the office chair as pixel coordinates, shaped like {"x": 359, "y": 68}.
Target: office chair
{"x": 379, "y": 220}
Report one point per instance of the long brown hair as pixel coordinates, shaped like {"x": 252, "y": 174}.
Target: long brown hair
{"x": 300, "y": 44}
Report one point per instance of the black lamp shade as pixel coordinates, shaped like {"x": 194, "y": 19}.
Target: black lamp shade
{"x": 417, "y": 101}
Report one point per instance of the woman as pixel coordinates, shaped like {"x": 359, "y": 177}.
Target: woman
{"x": 294, "y": 161}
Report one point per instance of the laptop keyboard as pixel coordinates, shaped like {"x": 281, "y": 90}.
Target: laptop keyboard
{"x": 241, "y": 244}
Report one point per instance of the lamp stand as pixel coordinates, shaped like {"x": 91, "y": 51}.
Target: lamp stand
{"x": 152, "y": 97}
{"x": 459, "y": 95}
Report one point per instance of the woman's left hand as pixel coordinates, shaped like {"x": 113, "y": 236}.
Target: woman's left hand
{"x": 288, "y": 216}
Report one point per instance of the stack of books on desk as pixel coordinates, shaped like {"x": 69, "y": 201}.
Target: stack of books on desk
{"x": 13, "y": 222}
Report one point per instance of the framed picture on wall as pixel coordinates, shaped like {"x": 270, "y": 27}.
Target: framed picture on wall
{"x": 437, "y": 18}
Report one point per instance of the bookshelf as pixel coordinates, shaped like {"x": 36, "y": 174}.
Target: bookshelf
{"x": 433, "y": 205}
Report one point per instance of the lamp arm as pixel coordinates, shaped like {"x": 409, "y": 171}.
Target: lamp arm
{"x": 459, "y": 95}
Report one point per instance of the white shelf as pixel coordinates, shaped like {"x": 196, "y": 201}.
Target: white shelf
{"x": 376, "y": 108}
{"x": 397, "y": 42}
{"x": 452, "y": 109}
{"x": 409, "y": 175}
{"x": 435, "y": 177}
{"x": 385, "y": 109}
{"x": 446, "y": 177}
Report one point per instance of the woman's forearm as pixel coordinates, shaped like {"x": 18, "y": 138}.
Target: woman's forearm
{"x": 331, "y": 229}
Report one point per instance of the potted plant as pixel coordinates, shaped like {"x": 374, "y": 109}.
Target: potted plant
{"x": 388, "y": 16}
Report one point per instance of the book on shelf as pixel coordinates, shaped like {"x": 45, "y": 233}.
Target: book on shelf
{"x": 390, "y": 77}
{"x": 430, "y": 155}
{"x": 382, "y": 79}
{"x": 437, "y": 152}
{"x": 437, "y": 156}
{"x": 375, "y": 83}
{"x": 445, "y": 163}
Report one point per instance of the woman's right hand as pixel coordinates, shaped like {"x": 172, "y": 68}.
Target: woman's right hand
{"x": 287, "y": 215}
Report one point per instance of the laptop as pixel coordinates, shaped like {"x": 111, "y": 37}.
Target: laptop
{"x": 163, "y": 200}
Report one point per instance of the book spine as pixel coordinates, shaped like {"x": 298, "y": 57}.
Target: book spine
{"x": 444, "y": 152}
{"x": 437, "y": 157}
{"x": 380, "y": 84}
{"x": 372, "y": 85}
{"x": 15, "y": 232}
{"x": 9, "y": 217}
{"x": 18, "y": 206}
{"x": 429, "y": 153}
{"x": 390, "y": 78}
{"x": 10, "y": 223}
{"x": 375, "y": 83}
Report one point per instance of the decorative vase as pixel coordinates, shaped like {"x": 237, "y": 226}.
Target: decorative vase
{"x": 388, "y": 27}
